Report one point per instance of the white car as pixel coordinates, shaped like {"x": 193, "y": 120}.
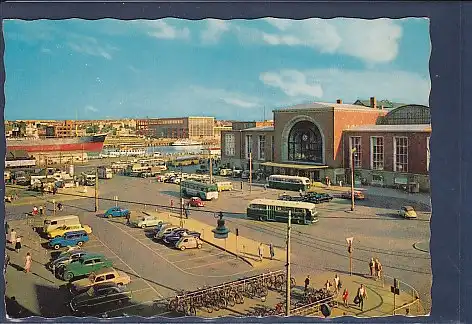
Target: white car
{"x": 146, "y": 221}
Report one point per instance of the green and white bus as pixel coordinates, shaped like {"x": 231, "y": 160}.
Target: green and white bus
{"x": 286, "y": 182}
{"x": 277, "y": 211}
{"x": 205, "y": 191}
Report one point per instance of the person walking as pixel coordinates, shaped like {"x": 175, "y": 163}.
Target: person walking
{"x": 327, "y": 285}
{"x": 261, "y": 252}
{"x": 307, "y": 283}
{"x": 128, "y": 219}
{"x": 18, "y": 244}
{"x": 28, "y": 262}
{"x": 35, "y": 211}
{"x": 271, "y": 251}
{"x": 13, "y": 236}
{"x": 372, "y": 267}
{"x": 378, "y": 268}
{"x": 41, "y": 210}
{"x": 336, "y": 283}
{"x": 172, "y": 205}
{"x": 361, "y": 295}
{"x": 7, "y": 262}
{"x": 345, "y": 297}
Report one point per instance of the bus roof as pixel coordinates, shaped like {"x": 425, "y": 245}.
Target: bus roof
{"x": 198, "y": 183}
{"x": 283, "y": 203}
{"x": 288, "y": 176}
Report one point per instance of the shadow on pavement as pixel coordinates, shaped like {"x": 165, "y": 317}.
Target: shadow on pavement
{"x": 146, "y": 279}
{"x": 53, "y": 300}
{"x": 15, "y": 310}
{"x": 174, "y": 194}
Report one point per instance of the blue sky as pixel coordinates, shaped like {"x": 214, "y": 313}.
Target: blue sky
{"x": 227, "y": 69}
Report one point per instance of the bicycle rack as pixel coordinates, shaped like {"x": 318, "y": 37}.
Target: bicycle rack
{"x": 312, "y": 308}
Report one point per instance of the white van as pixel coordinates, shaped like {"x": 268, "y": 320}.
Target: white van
{"x": 52, "y": 223}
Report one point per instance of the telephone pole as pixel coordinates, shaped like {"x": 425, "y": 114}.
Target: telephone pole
{"x": 211, "y": 167}
{"x": 250, "y": 171}
{"x": 288, "y": 288}
{"x": 96, "y": 189}
{"x": 181, "y": 200}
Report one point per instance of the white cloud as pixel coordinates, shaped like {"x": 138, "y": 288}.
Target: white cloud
{"x": 90, "y": 46}
{"x": 91, "y": 108}
{"x": 163, "y": 30}
{"x": 214, "y": 29}
{"x": 350, "y": 85}
{"x": 373, "y": 41}
{"x": 292, "y": 82}
{"x": 228, "y": 97}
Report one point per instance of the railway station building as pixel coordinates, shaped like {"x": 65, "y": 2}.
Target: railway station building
{"x": 315, "y": 139}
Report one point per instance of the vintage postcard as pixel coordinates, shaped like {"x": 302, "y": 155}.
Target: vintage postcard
{"x": 211, "y": 168}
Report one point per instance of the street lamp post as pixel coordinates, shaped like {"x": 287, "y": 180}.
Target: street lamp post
{"x": 181, "y": 200}
{"x": 352, "y": 178}
{"x": 288, "y": 270}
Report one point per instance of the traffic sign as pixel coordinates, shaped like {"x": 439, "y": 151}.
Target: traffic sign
{"x": 349, "y": 240}
{"x": 394, "y": 290}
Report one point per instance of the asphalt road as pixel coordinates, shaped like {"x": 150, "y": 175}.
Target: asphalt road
{"x": 376, "y": 229}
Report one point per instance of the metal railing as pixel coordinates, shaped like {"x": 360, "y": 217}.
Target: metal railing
{"x": 409, "y": 291}
{"x": 314, "y": 308}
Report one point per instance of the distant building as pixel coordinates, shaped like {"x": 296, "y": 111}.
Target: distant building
{"x": 194, "y": 128}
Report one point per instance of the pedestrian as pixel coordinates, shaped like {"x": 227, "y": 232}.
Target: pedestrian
{"x": 261, "y": 252}
{"x": 7, "y": 228}
{"x": 361, "y": 295}
{"x": 28, "y": 262}
{"x": 128, "y": 219}
{"x": 372, "y": 267}
{"x": 18, "y": 244}
{"x": 54, "y": 190}
{"x": 378, "y": 268}
{"x": 35, "y": 211}
{"x": 327, "y": 285}
{"x": 307, "y": 283}
{"x": 301, "y": 192}
{"x": 13, "y": 236}
{"x": 7, "y": 262}
{"x": 41, "y": 210}
{"x": 171, "y": 204}
{"x": 271, "y": 251}
{"x": 265, "y": 186}
{"x": 336, "y": 283}
{"x": 345, "y": 297}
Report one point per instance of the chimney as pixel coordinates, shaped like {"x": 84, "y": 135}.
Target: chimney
{"x": 339, "y": 101}
{"x": 373, "y": 102}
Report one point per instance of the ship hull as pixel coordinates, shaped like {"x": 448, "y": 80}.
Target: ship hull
{"x": 82, "y": 144}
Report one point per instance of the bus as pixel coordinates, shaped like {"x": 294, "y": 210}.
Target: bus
{"x": 277, "y": 211}
{"x": 185, "y": 160}
{"x": 289, "y": 182}
{"x": 153, "y": 162}
{"x": 205, "y": 191}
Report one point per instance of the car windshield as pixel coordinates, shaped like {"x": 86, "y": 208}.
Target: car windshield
{"x": 409, "y": 208}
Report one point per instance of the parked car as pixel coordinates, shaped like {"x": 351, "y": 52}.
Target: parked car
{"x": 68, "y": 239}
{"x": 161, "y": 178}
{"x": 407, "y": 212}
{"x": 60, "y": 231}
{"x": 188, "y": 242}
{"x": 173, "y": 238}
{"x": 60, "y": 262}
{"x": 196, "y": 202}
{"x": 358, "y": 195}
{"x": 86, "y": 264}
{"x": 160, "y": 226}
{"x": 105, "y": 275}
{"x": 290, "y": 198}
{"x": 164, "y": 231}
{"x": 96, "y": 298}
{"x": 117, "y": 212}
{"x": 317, "y": 198}
{"x": 146, "y": 221}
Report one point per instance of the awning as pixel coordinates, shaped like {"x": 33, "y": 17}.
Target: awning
{"x": 294, "y": 166}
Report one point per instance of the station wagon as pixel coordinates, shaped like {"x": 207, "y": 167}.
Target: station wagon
{"x": 105, "y": 275}
{"x": 69, "y": 239}
{"x": 85, "y": 266}
{"x": 99, "y": 298}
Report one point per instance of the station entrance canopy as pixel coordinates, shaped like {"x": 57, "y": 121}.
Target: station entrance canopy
{"x": 304, "y": 167}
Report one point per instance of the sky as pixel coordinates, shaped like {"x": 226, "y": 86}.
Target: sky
{"x": 233, "y": 69}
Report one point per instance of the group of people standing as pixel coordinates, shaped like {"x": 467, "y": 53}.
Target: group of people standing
{"x": 375, "y": 269}
{"x": 14, "y": 239}
{"x": 260, "y": 251}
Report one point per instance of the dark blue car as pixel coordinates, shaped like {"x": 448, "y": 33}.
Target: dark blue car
{"x": 174, "y": 237}
{"x": 116, "y": 212}
{"x": 69, "y": 239}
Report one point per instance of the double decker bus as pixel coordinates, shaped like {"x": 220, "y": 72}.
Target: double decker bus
{"x": 206, "y": 191}
{"x": 286, "y": 182}
{"x": 277, "y": 211}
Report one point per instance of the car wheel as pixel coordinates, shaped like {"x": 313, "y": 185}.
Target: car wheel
{"x": 120, "y": 284}
{"x": 143, "y": 226}
{"x": 109, "y": 216}
{"x": 57, "y": 247}
{"x": 80, "y": 243}
{"x": 199, "y": 246}
{"x": 68, "y": 276}
{"x": 57, "y": 236}
{"x": 182, "y": 248}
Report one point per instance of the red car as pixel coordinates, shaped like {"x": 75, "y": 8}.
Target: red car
{"x": 196, "y": 202}
{"x": 358, "y": 195}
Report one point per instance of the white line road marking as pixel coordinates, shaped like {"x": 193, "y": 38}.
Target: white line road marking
{"x": 207, "y": 264}
{"x": 202, "y": 257}
{"x": 137, "y": 274}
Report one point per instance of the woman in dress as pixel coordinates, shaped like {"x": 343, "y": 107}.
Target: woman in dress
{"x": 18, "y": 244}
{"x": 13, "y": 236}
{"x": 28, "y": 263}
